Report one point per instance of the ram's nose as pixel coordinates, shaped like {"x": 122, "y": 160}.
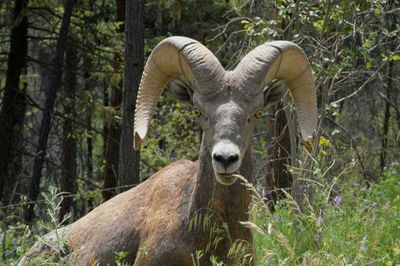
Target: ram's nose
{"x": 226, "y": 159}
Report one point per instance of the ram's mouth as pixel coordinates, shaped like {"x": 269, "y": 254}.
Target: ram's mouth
{"x": 226, "y": 179}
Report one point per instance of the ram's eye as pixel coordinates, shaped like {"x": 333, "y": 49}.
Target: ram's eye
{"x": 197, "y": 112}
{"x": 258, "y": 114}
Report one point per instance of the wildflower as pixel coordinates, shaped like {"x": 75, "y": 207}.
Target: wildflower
{"x": 337, "y": 200}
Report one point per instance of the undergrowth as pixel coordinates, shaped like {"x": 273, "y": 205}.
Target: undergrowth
{"x": 348, "y": 225}
{"x": 17, "y": 238}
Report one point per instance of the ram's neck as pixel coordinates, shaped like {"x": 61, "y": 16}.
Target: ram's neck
{"x": 230, "y": 202}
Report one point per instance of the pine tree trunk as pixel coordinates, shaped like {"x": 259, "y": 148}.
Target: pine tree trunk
{"x": 12, "y": 112}
{"x": 68, "y": 143}
{"x": 110, "y": 177}
{"x": 386, "y": 119}
{"x": 278, "y": 176}
{"x": 89, "y": 160}
{"x": 391, "y": 23}
{"x": 50, "y": 96}
{"x": 105, "y": 127}
{"x": 134, "y": 50}
{"x": 88, "y": 168}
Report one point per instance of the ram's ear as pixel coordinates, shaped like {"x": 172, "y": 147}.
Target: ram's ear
{"x": 182, "y": 90}
{"x": 275, "y": 92}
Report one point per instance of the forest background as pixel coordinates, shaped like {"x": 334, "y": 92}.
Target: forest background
{"x": 69, "y": 71}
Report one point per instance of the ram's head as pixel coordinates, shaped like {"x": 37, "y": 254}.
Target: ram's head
{"x": 227, "y": 103}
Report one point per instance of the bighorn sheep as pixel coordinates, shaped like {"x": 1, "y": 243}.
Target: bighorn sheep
{"x": 151, "y": 221}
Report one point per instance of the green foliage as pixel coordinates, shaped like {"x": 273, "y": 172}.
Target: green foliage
{"x": 174, "y": 134}
{"x": 344, "y": 226}
{"x": 215, "y": 262}
{"x": 209, "y": 222}
{"x": 196, "y": 257}
{"x": 16, "y": 239}
{"x": 19, "y": 238}
{"x": 120, "y": 258}
{"x": 241, "y": 253}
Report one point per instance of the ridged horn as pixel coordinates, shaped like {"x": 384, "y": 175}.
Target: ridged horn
{"x": 286, "y": 61}
{"x": 172, "y": 57}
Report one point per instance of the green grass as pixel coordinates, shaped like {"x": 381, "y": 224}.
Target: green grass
{"x": 362, "y": 229}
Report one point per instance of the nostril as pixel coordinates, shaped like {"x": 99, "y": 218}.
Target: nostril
{"x": 233, "y": 158}
{"x": 219, "y": 158}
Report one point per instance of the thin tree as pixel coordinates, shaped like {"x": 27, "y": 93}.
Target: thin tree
{"x": 110, "y": 175}
{"x": 50, "y": 96}
{"x": 89, "y": 84}
{"x": 134, "y": 49}
{"x": 278, "y": 176}
{"x": 391, "y": 23}
{"x": 68, "y": 142}
{"x": 13, "y": 106}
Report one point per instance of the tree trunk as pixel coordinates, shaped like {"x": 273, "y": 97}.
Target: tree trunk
{"x": 110, "y": 175}
{"x": 278, "y": 177}
{"x": 89, "y": 159}
{"x": 110, "y": 178}
{"x": 13, "y": 107}
{"x": 134, "y": 50}
{"x": 68, "y": 143}
{"x": 386, "y": 118}
{"x": 105, "y": 127}
{"x": 50, "y": 97}
{"x": 391, "y": 23}
{"x": 385, "y": 137}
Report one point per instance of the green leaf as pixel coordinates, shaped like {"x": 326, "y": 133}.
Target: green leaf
{"x": 394, "y": 57}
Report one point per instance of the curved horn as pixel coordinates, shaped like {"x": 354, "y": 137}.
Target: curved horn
{"x": 287, "y": 61}
{"x": 172, "y": 57}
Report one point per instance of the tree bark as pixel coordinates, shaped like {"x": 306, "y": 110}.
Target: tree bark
{"x": 110, "y": 177}
{"x": 68, "y": 143}
{"x": 13, "y": 107}
{"x": 89, "y": 159}
{"x": 88, "y": 169}
{"x": 50, "y": 96}
{"x": 278, "y": 176}
{"x": 105, "y": 128}
{"x": 391, "y": 23}
{"x": 134, "y": 50}
{"x": 386, "y": 118}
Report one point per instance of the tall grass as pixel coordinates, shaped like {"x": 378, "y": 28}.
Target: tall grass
{"x": 347, "y": 224}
